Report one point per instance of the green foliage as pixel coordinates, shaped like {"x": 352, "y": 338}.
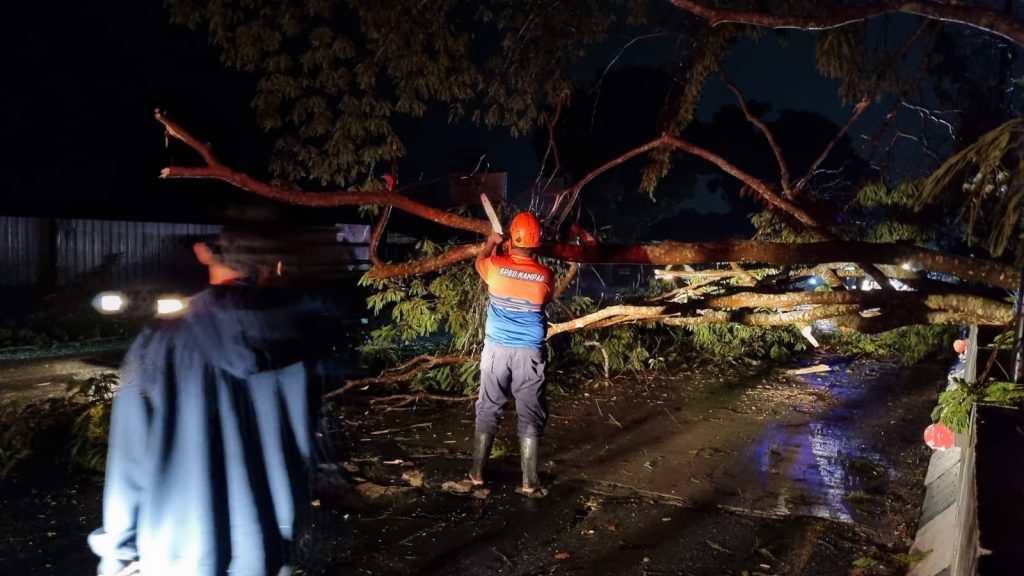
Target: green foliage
{"x": 598, "y": 355}
{"x": 909, "y": 559}
{"x": 438, "y": 313}
{"x": 865, "y": 469}
{"x": 451, "y": 300}
{"x": 857, "y": 497}
{"x": 332, "y": 78}
{"x": 18, "y": 427}
{"x": 712, "y": 48}
{"x": 890, "y": 231}
{"x": 907, "y": 345}
{"x": 729, "y": 342}
{"x": 954, "y": 406}
{"x": 988, "y": 178}
{"x": 92, "y": 427}
{"x": 1006, "y": 393}
{"x": 839, "y": 54}
{"x": 71, "y": 430}
{"x": 771, "y": 226}
{"x": 499, "y": 449}
{"x": 903, "y": 195}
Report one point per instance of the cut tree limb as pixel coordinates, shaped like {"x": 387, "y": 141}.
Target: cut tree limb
{"x": 383, "y": 196}
{"x": 446, "y": 258}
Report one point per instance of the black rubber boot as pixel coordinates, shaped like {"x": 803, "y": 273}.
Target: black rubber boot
{"x": 528, "y": 451}
{"x": 482, "y": 442}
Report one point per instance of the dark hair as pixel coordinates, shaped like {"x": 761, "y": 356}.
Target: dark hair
{"x": 252, "y": 249}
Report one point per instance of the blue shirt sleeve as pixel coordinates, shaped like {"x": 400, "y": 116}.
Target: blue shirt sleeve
{"x": 130, "y": 423}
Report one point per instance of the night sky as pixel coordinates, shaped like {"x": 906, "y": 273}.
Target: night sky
{"x": 78, "y": 115}
{"x": 83, "y": 79}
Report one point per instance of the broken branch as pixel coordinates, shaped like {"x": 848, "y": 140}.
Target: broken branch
{"x": 380, "y": 197}
{"x": 401, "y": 373}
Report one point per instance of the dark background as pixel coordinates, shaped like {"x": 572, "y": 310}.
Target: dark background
{"x": 83, "y": 79}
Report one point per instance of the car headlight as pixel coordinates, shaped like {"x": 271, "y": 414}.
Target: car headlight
{"x": 170, "y": 305}
{"x": 110, "y": 302}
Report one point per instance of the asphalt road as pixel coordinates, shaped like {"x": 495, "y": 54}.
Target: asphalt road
{"x": 24, "y": 381}
{"x": 705, "y": 472}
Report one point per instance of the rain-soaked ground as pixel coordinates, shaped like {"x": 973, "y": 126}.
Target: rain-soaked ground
{"x": 709, "y": 471}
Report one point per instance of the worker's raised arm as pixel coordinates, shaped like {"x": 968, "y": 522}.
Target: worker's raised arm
{"x": 489, "y": 246}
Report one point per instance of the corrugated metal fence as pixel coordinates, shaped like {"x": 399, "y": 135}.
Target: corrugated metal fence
{"x": 59, "y": 251}
{"x": 19, "y": 253}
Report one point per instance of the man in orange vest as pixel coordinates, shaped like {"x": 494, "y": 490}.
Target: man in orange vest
{"x": 513, "y": 357}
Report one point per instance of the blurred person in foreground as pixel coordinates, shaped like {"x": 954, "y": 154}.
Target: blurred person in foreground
{"x": 211, "y": 435}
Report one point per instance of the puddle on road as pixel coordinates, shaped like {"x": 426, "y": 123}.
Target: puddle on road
{"x": 810, "y": 466}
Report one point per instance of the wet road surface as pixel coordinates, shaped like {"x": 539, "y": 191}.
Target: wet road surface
{"x": 713, "y": 471}
{"x": 24, "y": 381}
{"x": 691, "y": 475}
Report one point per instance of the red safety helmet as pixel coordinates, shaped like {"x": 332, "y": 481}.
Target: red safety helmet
{"x": 525, "y": 230}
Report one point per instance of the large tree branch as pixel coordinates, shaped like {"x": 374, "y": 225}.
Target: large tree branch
{"x": 999, "y": 312}
{"x": 776, "y": 149}
{"x": 866, "y": 325}
{"x": 800, "y": 308}
{"x": 446, "y": 258}
{"x": 381, "y": 197}
{"x": 665, "y": 253}
{"x": 782, "y": 254}
{"x": 759, "y": 186}
{"x": 749, "y": 251}
{"x": 552, "y": 150}
{"x": 857, "y": 111}
{"x": 981, "y": 17}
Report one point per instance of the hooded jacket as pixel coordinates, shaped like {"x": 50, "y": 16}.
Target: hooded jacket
{"x": 210, "y": 440}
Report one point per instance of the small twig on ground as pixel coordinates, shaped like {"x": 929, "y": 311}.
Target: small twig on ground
{"x": 673, "y": 418}
{"x": 615, "y": 421}
{"x": 401, "y": 400}
{"x": 661, "y": 497}
{"x": 420, "y": 425}
{"x": 503, "y": 557}
{"x": 604, "y": 353}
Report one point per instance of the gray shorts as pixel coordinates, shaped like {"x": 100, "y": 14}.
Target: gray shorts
{"x": 506, "y": 370}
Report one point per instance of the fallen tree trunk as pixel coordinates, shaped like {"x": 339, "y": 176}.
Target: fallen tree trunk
{"x": 896, "y": 309}
{"x": 666, "y": 253}
{"x": 971, "y": 269}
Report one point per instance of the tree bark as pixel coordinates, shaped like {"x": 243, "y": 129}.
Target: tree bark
{"x": 381, "y": 197}
{"x": 987, "y": 272}
{"x": 971, "y": 269}
{"x": 446, "y": 258}
{"x": 981, "y": 17}
{"x": 897, "y": 309}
